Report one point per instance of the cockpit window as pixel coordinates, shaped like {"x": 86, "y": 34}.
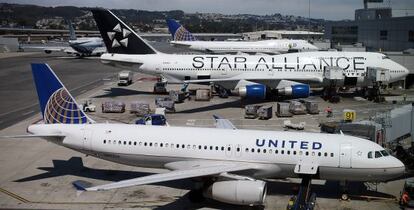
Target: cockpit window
{"x": 377, "y": 154}
{"x": 370, "y": 155}
{"x": 384, "y": 153}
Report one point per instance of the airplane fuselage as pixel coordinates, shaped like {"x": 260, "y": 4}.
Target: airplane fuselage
{"x": 267, "y": 46}
{"x": 306, "y": 67}
{"x": 274, "y": 154}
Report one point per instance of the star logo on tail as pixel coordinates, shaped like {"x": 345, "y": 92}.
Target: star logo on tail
{"x": 125, "y": 33}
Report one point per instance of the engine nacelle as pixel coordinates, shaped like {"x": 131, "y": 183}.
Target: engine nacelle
{"x": 256, "y": 91}
{"x": 240, "y": 192}
{"x": 48, "y": 51}
{"x": 296, "y": 91}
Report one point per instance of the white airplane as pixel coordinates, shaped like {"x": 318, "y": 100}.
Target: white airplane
{"x": 183, "y": 38}
{"x": 234, "y": 162}
{"x": 84, "y": 46}
{"x": 250, "y": 76}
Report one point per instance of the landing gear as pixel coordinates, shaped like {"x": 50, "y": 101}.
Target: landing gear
{"x": 222, "y": 92}
{"x": 330, "y": 93}
{"x": 374, "y": 93}
{"x": 344, "y": 188}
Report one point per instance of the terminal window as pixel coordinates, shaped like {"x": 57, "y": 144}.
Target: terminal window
{"x": 383, "y": 35}
{"x": 411, "y": 36}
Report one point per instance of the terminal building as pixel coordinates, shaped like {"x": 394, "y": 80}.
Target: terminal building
{"x": 375, "y": 29}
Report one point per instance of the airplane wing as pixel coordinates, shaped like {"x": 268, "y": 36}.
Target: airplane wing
{"x": 184, "y": 169}
{"x": 223, "y": 123}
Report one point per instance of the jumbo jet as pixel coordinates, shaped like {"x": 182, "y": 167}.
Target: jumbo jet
{"x": 232, "y": 162}
{"x": 183, "y": 38}
{"x": 250, "y": 76}
{"x": 84, "y": 46}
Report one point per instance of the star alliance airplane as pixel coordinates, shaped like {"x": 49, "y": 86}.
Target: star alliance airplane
{"x": 235, "y": 162}
{"x": 183, "y": 38}
{"x": 250, "y": 76}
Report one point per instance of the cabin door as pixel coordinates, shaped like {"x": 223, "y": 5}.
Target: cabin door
{"x": 345, "y": 156}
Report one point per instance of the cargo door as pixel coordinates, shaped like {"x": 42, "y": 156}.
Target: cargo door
{"x": 345, "y": 156}
{"x": 87, "y": 139}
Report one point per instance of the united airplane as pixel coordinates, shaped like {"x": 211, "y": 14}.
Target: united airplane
{"x": 232, "y": 162}
{"x": 251, "y": 76}
{"x": 183, "y": 38}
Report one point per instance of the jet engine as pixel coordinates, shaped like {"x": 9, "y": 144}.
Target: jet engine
{"x": 256, "y": 91}
{"x": 239, "y": 192}
{"x": 296, "y": 91}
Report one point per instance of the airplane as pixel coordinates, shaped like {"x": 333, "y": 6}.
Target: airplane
{"x": 183, "y": 38}
{"x": 250, "y": 76}
{"x": 232, "y": 162}
{"x": 84, "y": 46}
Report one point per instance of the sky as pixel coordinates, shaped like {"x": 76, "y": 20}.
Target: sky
{"x": 326, "y": 9}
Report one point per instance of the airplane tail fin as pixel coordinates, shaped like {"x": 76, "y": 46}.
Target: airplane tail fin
{"x": 119, "y": 37}
{"x": 56, "y": 103}
{"x": 72, "y": 35}
{"x": 178, "y": 32}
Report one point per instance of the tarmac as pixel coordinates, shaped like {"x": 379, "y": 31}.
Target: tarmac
{"x": 35, "y": 174}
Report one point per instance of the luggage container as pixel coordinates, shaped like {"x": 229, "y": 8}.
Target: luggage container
{"x": 311, "y": 106}
{"x": 203, "y": 95}
{"x": 265, "y": 112}
{"x": 295, "y": 107}
{"x": 113, "y": 107}
{"x": 283, "y": 110}
{"x": 165, "y": 102}
{"x": 140, "y": 108}
{"x": 177, "y": 96}
{"x": 251, "y": 111}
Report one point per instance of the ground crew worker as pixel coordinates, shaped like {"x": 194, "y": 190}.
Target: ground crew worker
{"x": 328, "y": 111}
{"x": 404, "y": 198}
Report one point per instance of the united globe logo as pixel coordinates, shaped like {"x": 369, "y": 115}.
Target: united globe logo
{"x": 61, "y": 108}
{"x": 183, "y": 35}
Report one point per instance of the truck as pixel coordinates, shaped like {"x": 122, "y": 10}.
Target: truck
{"x": 152, "y": 119}
{"x": 125, "y": 78}
{"x": 87, "y": 106}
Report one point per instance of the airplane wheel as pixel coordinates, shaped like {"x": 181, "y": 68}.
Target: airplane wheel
{"x": 196, "y": 196}
{"x": 344, "y": 197}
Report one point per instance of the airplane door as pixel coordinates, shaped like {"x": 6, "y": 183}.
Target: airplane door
{"x": 228, "y": 150}
{"x": 87, "y": 139}
{"x": 345, "y": 156}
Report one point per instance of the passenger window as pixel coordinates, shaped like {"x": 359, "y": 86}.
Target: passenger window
{"x": 247, "y": 149}
{"x": 276, "y": 151}
{"x": 288, "y": 152}
{"x": 264, "y": 150}
{"x": 238, "y": 149}
{"x": 332, "y": 154}
{"x": 104, "y": 141}
{"x": 294, "y": 152}
{"x": 135, "y": 143}
{"x": 370, "y": 155}
{"x": 282, "y": 152}
{"x": 377, "y": 154}
{"x": 326, "y": 154}
{"x": 300, "y": 153}
{"x": 124, "y": 142}
{"x": 119, "y": 142}
{"x": 129, "y": 143}
{"x": 319, "y": 154}
{"x": 307, "y": 153}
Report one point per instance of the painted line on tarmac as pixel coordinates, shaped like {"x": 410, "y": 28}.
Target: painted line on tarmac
{"x": 26, "y": 113}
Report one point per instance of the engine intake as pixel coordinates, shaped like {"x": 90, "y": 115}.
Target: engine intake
{"x": 296, "y": 91}
{"x": 256, "y": 91}
{"x": 240, "y": 192}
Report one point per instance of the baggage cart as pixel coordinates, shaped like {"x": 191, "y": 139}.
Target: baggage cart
{"x": 283, "y": 110}
{"x": 265, "y": 112}
{"x": 203, "y": 95}
{"x": 140, "y": 108}
{"x": 165, "y": 102}
{"x": 251, "y": 111}
{"x": 113, "y": 107}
